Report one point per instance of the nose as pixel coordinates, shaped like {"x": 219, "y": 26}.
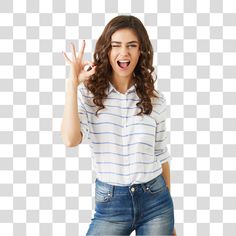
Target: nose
{"x": 124, "y": 50}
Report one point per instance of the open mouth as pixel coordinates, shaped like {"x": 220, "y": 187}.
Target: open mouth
{"x": 123, "y": 63}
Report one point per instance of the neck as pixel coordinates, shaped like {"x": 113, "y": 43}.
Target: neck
{"x": 122, "y": 84}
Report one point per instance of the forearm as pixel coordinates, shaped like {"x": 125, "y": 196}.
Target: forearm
{"x": 166, "y": 173}
{"x": 70, "y": 126}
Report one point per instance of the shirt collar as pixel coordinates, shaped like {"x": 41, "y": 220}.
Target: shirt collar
{"x": 111, "y": 88}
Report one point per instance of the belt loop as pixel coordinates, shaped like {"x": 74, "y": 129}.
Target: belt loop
{"x": 112, "y": 190}
{"x": 144, "y": 186}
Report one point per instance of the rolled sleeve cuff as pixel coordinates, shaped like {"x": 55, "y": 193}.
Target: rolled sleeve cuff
{"x": 163, "y": 155}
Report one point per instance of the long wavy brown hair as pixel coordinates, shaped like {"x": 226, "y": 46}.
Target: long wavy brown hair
{"x": 142, "y": 75}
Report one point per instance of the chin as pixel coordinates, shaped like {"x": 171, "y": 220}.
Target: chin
{"x": 124, "y": 74}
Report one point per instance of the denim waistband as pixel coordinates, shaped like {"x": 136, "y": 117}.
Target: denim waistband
{"x": 124, "y": 188}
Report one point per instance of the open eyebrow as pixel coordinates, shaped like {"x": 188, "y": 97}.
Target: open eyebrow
{"x": 127, "y": 43}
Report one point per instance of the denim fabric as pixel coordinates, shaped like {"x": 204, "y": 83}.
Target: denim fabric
{"x": 146, "y": 208}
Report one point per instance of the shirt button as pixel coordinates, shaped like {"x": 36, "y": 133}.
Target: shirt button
{"x": 132, "y": 189}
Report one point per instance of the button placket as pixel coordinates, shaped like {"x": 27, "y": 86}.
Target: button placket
{"x": 123, "y": 114}
{"x": 124, "y": 127}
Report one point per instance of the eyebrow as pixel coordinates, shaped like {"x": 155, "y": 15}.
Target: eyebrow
{"x": 127, "y": 43}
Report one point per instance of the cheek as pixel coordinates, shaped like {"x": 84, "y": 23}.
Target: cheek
{"x": 112, "y": 57}
{"x": 109, "y": 58}
{"x": 136, "y": 58}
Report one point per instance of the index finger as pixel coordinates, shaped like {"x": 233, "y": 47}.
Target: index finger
{"x": 81, "y": 52}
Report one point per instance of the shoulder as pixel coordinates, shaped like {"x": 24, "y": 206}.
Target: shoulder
{"x": 160, "y": 99}
{"x": 82, "y": 90}
{"x": 81, "y": 87}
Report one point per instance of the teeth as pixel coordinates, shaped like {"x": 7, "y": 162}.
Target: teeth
{"x": 123, "y": 61}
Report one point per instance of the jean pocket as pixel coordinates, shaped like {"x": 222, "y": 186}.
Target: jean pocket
{"x": 157, "y": 186}
{"x": 102, "y": 193}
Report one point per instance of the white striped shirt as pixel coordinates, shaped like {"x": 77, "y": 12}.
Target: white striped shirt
{"x": 126, "y": 149}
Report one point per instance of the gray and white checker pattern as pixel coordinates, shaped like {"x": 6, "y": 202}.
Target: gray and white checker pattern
{"x": 47, "y": 189}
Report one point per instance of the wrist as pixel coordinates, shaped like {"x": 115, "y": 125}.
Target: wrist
{"x": 71, "y": 86}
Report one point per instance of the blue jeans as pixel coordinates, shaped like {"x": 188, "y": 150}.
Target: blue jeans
{"x": 146, "y": 208}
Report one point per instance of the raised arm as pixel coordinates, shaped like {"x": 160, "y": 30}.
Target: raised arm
{"x": 70, "y": 125}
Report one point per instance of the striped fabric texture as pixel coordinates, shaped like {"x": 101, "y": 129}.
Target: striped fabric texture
{"x": 126, "y": 149}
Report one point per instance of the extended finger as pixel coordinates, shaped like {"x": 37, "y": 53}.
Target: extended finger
{"x": 81, "y": 52}
{"x": 73, "y": 51}
{"x": 66, "y": 57}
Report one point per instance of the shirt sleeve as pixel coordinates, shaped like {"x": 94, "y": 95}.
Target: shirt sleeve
{"x": 83, "y": 117}
{"x": 161, "y": 150}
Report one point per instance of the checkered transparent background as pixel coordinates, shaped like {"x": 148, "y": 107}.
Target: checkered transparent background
{"x": 47, "y": 189}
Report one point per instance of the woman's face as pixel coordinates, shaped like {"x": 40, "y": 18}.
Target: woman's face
{"x": 124, "y": 53}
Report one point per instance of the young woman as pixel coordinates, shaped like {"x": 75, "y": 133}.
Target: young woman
{"x": 122, "y": 117}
